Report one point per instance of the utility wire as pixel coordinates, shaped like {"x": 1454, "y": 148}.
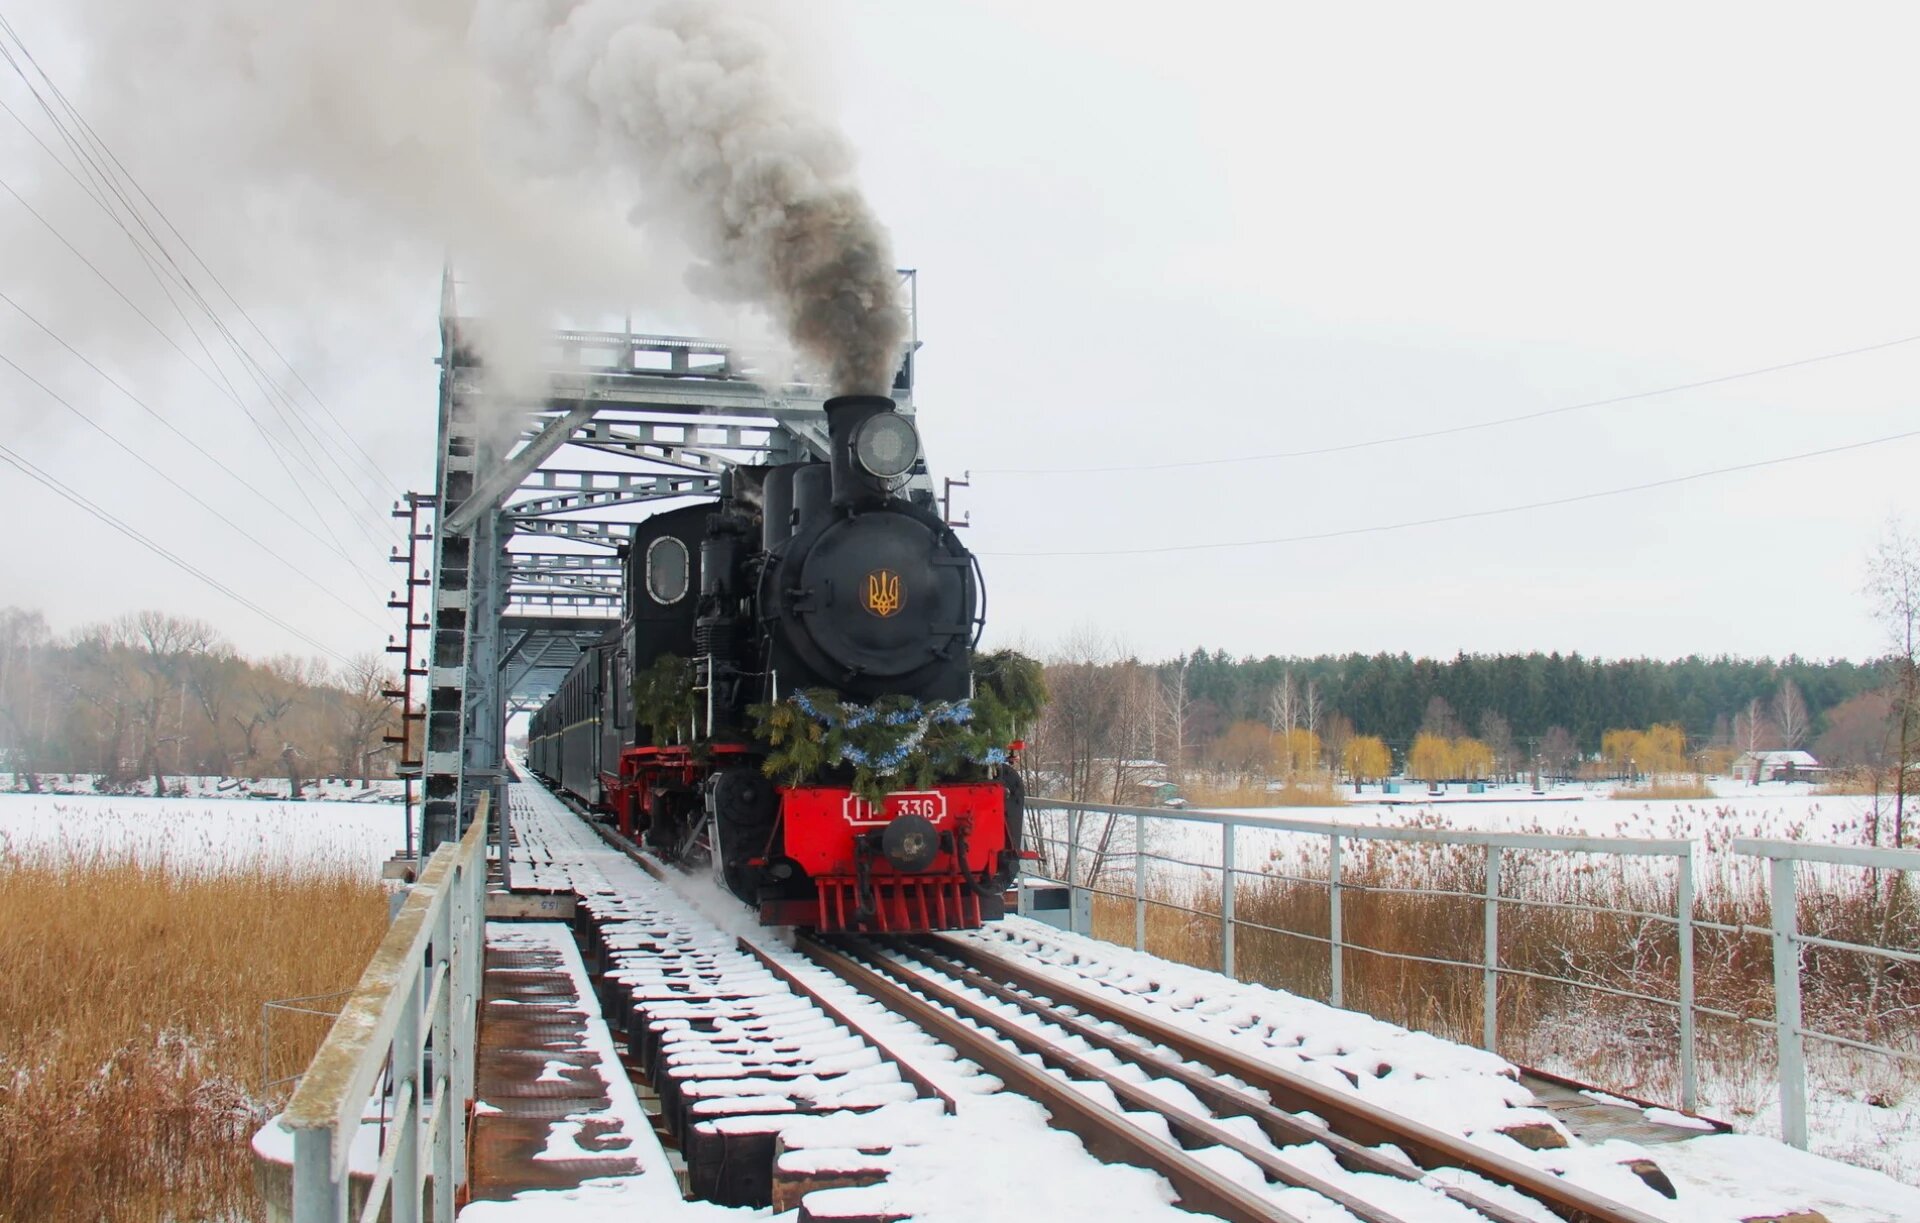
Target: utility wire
{"x": 373, "y": 464}
{"x": 54, "y": 483}
{"x": 104, "y": 183}
{"x": 1450, "y": 430}
{"x": 216, "y": 379}
{"x": 1471, "y": 514}
{"x": 97, "y": 427}
{"x": 259, "y": 493}
{"x": 93, "y": 137}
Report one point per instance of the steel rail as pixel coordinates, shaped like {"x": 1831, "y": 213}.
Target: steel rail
{"x": 1346, "y": 1114}
{"x": 1282, "y": 1127}
{"x": 926, "y": 1087}
{"x": 1108, "y": 1135}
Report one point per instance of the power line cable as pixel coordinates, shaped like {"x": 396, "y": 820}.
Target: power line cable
{"x": 216, "y": 379}
{"x": 1450, "y": 430}
{"x": 125, "y": 175}
{"x": 56, "y": 485}
{"x": 1467, "y": 515}
{"x": 104, "y": 183}
{"x": 97, "y": 427}
{"x": 257, "y": 492}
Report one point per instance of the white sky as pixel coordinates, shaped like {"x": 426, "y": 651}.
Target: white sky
{"x": 1155, "y": 234}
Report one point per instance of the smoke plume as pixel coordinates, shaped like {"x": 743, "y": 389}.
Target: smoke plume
{"x": 764, "y": 189}
{"x": 568, "y": 153}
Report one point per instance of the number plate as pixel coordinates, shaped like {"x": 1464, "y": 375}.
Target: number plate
{"x": 929, "y": 805}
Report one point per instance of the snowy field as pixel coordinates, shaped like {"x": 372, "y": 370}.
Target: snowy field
{"x": 326, "y": 789}
{"x": 1776, "y": 809}
{"x": 197, "y": 834}
{"x": 1785, "y": 812}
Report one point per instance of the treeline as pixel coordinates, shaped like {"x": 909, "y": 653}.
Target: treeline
{"x": 152, "y": 696}
{"x": 1116, "y": 727}
{"x": 1392, "y": 695}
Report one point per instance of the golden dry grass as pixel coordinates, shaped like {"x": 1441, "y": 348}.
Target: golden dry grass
{"x": 1667, "y": 788}
{"x": 130, "y": 1035}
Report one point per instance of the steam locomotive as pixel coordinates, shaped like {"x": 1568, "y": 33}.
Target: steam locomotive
{"x": 825, "y": 594}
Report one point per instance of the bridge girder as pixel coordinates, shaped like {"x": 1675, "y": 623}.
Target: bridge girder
{"x": 627, "y": 420}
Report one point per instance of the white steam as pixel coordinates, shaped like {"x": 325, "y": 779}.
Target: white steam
{"x": 578, "y": 154}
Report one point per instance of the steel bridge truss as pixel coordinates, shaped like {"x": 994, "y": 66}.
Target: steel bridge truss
{"x": 537, "y": 499}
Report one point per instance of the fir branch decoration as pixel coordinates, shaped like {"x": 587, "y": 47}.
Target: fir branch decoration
{"x": 896, "y": 743}
{"x": 1018, "y": 682}
{"x": 663, "y": 695}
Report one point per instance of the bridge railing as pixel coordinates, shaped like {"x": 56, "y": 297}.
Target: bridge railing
{"x": 1107, "y": 851}
{"x": 1067, "y": 833}
{"x": 400, "y": 1055}
{"x": 1783, "y": 859}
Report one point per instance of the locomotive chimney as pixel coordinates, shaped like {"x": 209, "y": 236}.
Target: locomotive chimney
{"x": 872, "y": 447}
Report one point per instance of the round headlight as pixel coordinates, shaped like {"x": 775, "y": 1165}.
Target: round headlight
{"x": 886, "y": 445}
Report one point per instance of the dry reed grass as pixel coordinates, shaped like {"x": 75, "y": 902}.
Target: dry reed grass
{"x": 1667, "y": 788}
{"x": 130, "y": 1036}
{"x": 1416, "y": 900}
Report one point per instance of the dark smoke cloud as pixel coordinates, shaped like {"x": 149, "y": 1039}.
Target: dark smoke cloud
{"x": 764, "y": 187}
{"x": 567, "y": 152}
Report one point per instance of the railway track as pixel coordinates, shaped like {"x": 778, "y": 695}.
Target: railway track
{"x": 1134, "y": 1088}
{"x": 1005, "y": 1016}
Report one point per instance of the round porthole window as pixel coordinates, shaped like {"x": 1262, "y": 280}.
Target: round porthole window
{"x": 667, "y": 570}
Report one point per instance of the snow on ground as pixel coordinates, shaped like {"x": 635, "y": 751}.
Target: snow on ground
{"x": 1719, "y": 1177}
{"x": 1040, "y": 1172}
{"x": 325, "y": 789}
{"x": 1775, "y": 809}
{"x": 202, "y": 834}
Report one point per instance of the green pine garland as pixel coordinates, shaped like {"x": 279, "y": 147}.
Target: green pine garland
{"x": 1017, "y": 682}
{"x": 663, "y": 698}
{"x": 897, "y": 743}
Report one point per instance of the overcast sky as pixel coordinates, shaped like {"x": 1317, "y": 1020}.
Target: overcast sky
{"x": 1161, "y": 241}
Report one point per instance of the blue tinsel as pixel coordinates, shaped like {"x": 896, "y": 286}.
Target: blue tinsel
{"x": 849, "y": 716}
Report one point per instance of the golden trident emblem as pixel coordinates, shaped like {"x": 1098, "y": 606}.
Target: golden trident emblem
{"x": 883, "y": 593}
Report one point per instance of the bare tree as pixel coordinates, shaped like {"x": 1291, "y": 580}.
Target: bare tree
{"x": 22, "y": 635}
{"x": 161, "y": 647}
{"x": 1497, "y": 734}
{"x": 1790, "y": 715}
{"x": 97, "y": 679}
{"x": 1558, "y": 751}
{"x": 1090, "y": 741}
{"x": 263, "y": 703}
{"x": 1893, "y": 583}
{"x": 1283, "y": 705}
{"x": 1753, "y": 734}
{"x": 1175, "y": 709}
{"x": 1440, "y": 720}
{"x": 1310, "y": 706}
{"x": 213, "y": 679}
{"x": 364, "y": 713}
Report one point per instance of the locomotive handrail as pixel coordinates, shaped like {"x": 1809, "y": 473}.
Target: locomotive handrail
{"x": 410, "y": 1022}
